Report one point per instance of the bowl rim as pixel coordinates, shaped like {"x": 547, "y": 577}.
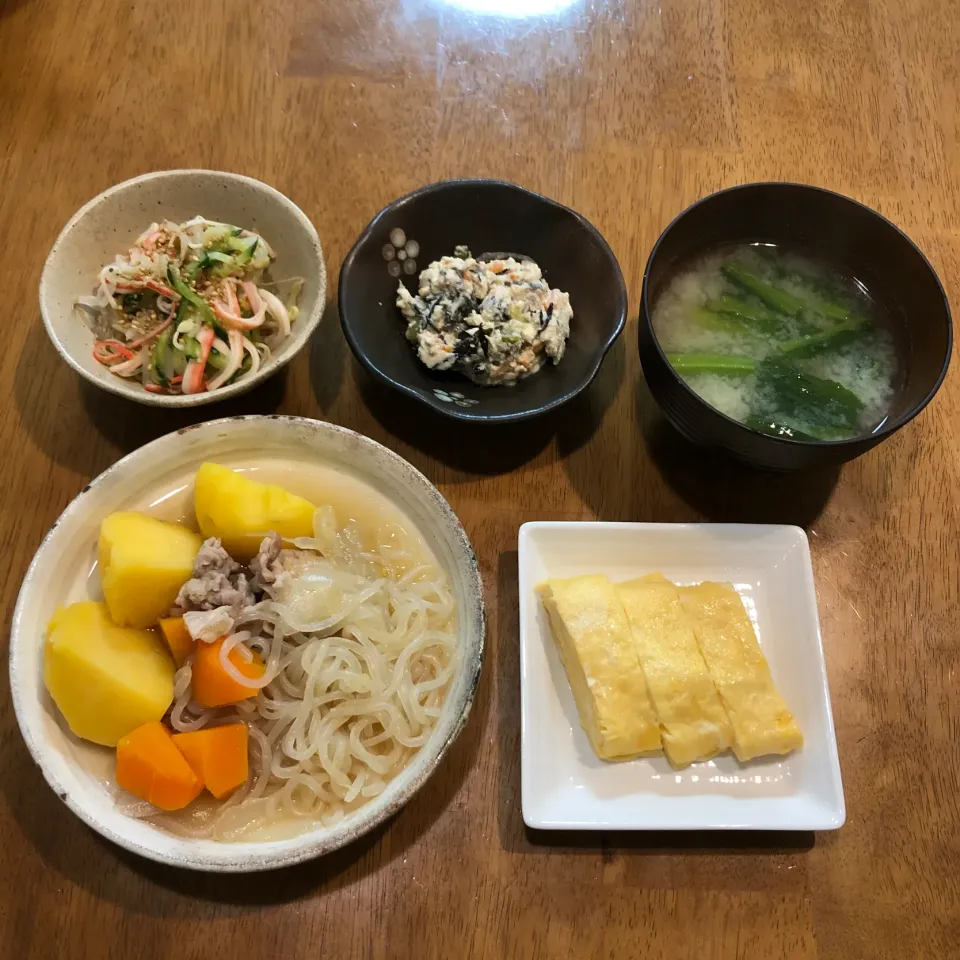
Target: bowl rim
{"x": 273, "y": 365}
{"x": 450, "y": 410}
{"x": 301, "y": 848}
{"x": 888, "y": 427}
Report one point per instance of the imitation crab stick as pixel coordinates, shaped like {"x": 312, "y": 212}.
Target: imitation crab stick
{"x": 229, "y": 313}
{"x": 133, "y": 286}
{"x": 110, "y": 351}
{"x": 212, "y": 685}
{"x": 151, "y": 767}
{"x": 217, "y": 755}
{"x": 193, "y": 375}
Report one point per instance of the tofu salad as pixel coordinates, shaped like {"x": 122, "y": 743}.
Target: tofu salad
{"x": 495, "y": 321}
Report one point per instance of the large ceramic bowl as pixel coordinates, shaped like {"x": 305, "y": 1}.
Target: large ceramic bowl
{"x": 61, "y": 573}
{"x": 488, "y": 216}
{"x": 844, "y": 233}
{"x": 110, "y": 222}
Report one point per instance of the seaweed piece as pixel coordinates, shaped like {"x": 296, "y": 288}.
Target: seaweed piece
{"x": 547, "y": 314}
{"x": 462, "y": 307}
{"x": 471, "y": 342}
{"x": 426, "y": 314}
{"x": 131, "y": 302}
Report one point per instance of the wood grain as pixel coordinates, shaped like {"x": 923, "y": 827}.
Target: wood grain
{"x": 628, "y": 112}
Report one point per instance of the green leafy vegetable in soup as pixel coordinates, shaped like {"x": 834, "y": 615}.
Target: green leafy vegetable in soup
{"x": 779, "y": 342}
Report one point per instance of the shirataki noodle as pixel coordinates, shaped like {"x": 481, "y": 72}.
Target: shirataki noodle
{"x": 359, "y": 647}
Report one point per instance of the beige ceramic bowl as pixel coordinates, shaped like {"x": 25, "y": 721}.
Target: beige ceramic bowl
{"x": 110, "y": 222}
{"x": 63, "y": 571}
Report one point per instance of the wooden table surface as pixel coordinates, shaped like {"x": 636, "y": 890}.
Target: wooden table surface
{"x": 628, "y": 112}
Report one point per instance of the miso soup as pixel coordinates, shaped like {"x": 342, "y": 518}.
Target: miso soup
{"x": 780, "y": 343}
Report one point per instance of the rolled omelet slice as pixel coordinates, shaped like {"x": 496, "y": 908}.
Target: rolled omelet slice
{"x": 598, "y": 654}
{"x": 761, "y": 721}
{"x": 693, "y": 722}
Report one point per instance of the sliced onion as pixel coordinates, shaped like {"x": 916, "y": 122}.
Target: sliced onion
{"x": 154, "y": 228}
{"x": 128, "y": 367}
{"x": 277, "y": 310}
{"x": 208, "y": 625}
{"x": 236, "y": 358}
{"x": 254, "y": 359}
{"x": 252, "y": 295}
{"x": 184, "y": 326}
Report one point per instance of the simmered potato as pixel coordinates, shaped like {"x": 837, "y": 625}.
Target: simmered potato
{"x": 143, "y": 564}
{"x": 106, "y": 680}
{"x": 241, "y": 511}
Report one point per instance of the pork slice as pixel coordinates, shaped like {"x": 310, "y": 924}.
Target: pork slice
{"x": 217, "y": 581}
{"x": 270, "y": 564}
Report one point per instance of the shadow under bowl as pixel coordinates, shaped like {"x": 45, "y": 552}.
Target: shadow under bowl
{"x": 859, "y": 243}
{"x": 488, "y": 216}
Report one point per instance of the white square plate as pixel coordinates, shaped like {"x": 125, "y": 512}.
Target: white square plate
{"x": 566, "y": 787}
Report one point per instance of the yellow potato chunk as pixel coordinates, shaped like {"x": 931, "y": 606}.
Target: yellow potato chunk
{"x": 143, "y": 564}
{"x": 241, "y": 511}
{"x": 106, "y": 680}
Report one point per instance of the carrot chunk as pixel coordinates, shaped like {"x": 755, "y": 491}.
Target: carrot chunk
{"x": 178, "y": 639}
{"x": 150, "y": 767}
{"x": 217, "y": 755}
{"x": 212, "y": 685}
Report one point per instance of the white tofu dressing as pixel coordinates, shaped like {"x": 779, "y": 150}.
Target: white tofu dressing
{"x": 494, "y": 321}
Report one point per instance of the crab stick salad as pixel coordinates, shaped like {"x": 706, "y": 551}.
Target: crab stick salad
{"x": 190, "y": 307}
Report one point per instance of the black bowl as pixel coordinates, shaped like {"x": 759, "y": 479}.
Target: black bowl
{"x": 860, "y": 243}
{"x": 488, "y": 216}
